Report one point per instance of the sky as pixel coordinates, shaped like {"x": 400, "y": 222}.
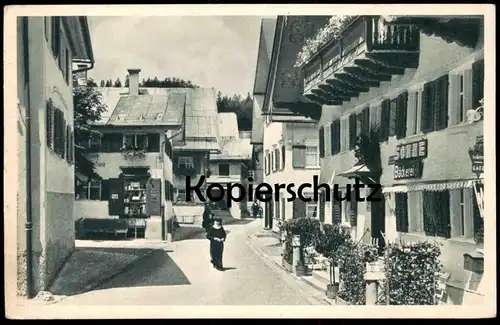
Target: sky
{"x": 211, "y": 51}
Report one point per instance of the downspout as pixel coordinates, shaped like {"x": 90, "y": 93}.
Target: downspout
{"x": 28, "y": 226}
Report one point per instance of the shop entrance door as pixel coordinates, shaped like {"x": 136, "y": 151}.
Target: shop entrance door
{"x": 378, "y": 218}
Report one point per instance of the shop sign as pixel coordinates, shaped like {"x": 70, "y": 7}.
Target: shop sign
{"x": 136, "y": 222}
{"x": 476, "y": 154}
{"x": 412, "y": 150}
{"x": 392, "y": 159}
{"x": 408, "y": 169}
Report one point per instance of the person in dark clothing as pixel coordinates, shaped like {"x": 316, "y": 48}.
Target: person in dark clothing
{"x": 255, "y": 210}
{"x": 207, "y": 218}
{"x": 217, "y": 235}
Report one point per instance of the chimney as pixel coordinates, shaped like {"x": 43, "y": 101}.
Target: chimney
{"x": 133, "y": 81}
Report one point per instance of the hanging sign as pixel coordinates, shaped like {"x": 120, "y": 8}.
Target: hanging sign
{"x": 476, "y": 154}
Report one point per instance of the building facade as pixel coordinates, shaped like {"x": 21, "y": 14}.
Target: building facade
{"x": 402, "y": 106}
{"x": 133, "y": 159}
{"x": 288, "y": 143}
{"x": 47, "y": 49}
{"x": 231, "y": 166}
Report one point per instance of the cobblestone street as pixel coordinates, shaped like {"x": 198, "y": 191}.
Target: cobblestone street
{"x": 181, "y": 274}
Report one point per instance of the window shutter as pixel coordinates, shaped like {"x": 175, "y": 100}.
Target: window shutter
{"x": 50, "y": 124}
{"x": 385, "y": 118}
{"x": 442, "y": 213}
{"x": 299, "y": 209}
{"x": 427, "y": 108}
{"x": 441, "y": 100}
{"x": 56, "y": 130}
{"x": 332, "y": 137}
{"x": 322, "y": 206}
{"x": 104, "y": 190}
{"x": 337, "y": 210}
{"x": 116, "y": 196}
{"x": 477, "y": 83}
{"x": 338, "y": 132}
{"x": 401, "y": 212}
{"x": 402, "y": 107}
{"x": 277, "y": 158}
{"x": 322, "y": 142}
{"x": 64, "y": 141}
{"x": 56, "y": 36}
{"x": 153, "y": 142}
{"x": 283, "y": 161}
{"x": 429, "y": 227}
{"x": 352, "y": 131}
{"x": 354, "y": 210}
{"x": 365, "y": 121}
{"x": 299, "y": 156}
{"x": 67, "y": 144}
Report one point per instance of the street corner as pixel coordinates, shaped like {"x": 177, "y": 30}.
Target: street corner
{"x": 87, "y": 268}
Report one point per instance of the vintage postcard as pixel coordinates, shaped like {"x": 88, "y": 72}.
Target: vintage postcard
{"x": 307, "y": 161}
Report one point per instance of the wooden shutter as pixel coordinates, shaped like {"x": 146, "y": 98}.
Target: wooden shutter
{"x": 365, "y": 120}
{"x": 266, "y": 169}
{"x": 104, "y": 190}
{"x": 352, "y": 131}
{"x": 64, "y": 138}
{"x": 393, "y": 111}
{"x": 401, "y": 212}
{"x": 299, "y": 208}
{"x": 299, "y": 156}
{"x": 401, "y": 116}
{"x": 477, "y": 83}
{"x": 385, "y": 118}
{"x": 56, "y": 36}
{"x": 116, "y": 195}
{"x": 427, "y": 110}
{"x": 337, "y": 210}
{"x": 321, "y": 142}
{"x": 67, "y": 143}
{"x": 338, "y": 133}
{"x": 442, "y": 215}
{"x": 165, "y": 182}
{"x": 322, "y": 200}
{"x": 50, "y": 124}
{"x": 354, "y": 210}
{"x": 283, "y": 161}
{"x": 332, "y": 138}
{"x": 153, "y": 196}
{"x": 476, "y": 216}
{"x": 441, "y": 103}
{"x": 153, "y": 142}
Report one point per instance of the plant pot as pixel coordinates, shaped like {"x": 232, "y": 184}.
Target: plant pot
{"x": 301, "y": 270}
{"x": 332, "y": 290}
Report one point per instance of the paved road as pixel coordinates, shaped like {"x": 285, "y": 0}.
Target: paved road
{"x": 184, "y": 276}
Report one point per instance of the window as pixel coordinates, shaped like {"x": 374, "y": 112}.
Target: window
{"x": 311, "y": 209}
{"x": 465, "y": 217}
{"x": 224, "y": 169}
{"x": 59, "y": 124}
{"x": 461, "y": 113}
{"x": 299, "y": 156}
{"x": 434, "y": 112}
{"x": 277, "y": 160}
{"x": 363, "y": 121}
{"x": 322, "y": 142}
{"x": 401, "y": 212}
{"x": 89, "y": 191}
{"x": 414, "y": 113}
{"x": 283, "y": 157}
{"x": 401, "y": 115}
{"x": 336, "y": 209}
{"x": 111, "y": 142}
{"x": 344, "y": 134}
{"x": 153, "y": 142}
{"x": 436, "y": 213}
{"x": 137, "y": 141}
{"x": 56, "y": 36}
{"x": 312, "y": 156}
{"x": 185, "y": 162}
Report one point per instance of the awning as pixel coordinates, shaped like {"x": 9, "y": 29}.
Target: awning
{"x": 433, "y": 187}
{"x": 355, "y": 171}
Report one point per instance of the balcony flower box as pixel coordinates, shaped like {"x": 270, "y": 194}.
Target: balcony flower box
{"x": 134, "y": 152}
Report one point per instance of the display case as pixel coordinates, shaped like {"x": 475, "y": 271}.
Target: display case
{"x": 135, "y": 203}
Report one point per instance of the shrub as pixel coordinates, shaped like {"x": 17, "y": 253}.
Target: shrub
{"x": 352, "y": 270}
{"x": 330, "y": 240}
{"x": 309, "y": 230}
{"x": 413, "y": 273}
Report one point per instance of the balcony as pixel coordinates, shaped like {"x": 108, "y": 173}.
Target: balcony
{"x": 367, "y": 53}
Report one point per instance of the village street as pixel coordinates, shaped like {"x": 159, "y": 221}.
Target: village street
{"x": 181, "y": 274}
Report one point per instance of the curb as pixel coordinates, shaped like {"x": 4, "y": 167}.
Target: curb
{"x": 113, "y": 274}
{"x": 289, "y": 278}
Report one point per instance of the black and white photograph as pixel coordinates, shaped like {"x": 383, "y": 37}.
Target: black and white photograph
{"x": 211, "y": 161}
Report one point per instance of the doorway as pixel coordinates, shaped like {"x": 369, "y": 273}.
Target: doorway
{"x": 378, "y": 218}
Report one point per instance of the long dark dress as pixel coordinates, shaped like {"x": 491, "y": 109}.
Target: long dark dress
{"x": 207, "y": 220}
{"x": 216, "y": 247}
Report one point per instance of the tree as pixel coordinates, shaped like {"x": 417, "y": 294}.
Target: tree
{"x": 236, "y": 104}
{"x": 102, "y": 84}
{"x": 88, "y": 107}
{"x": 117, "y": 83}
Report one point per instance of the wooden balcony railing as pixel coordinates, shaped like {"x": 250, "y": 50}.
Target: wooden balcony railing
{"x": 367, "y": 38}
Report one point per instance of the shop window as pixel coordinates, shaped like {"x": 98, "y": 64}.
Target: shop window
{"x": 224, "y": 169}
{"x": 89, "y": 190}
{"x": 436, "y": 213}
{"x": 312, "y": 156}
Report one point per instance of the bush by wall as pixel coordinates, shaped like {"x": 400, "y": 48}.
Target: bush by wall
{"x": 413, "y": 273}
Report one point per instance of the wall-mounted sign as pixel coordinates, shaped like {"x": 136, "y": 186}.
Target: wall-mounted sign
{"x": 412, "y": 150}
{"x": 392, "y": 159}
{"x": 476, "y": 154}
{"x": 136, "y": 222}
{"x": 408, "y": 169}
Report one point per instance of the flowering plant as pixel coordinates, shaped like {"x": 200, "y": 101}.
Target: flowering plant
{"x": 331, "y": 31}
{"x": 133, "y": 152}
